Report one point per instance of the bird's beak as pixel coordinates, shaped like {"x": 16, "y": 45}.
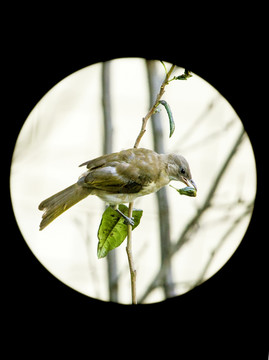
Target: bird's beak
{"x": 188, "y": 182}
{"x": 193, "y": 184}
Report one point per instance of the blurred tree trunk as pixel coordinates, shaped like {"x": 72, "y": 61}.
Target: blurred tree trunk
{"x": 107, "y": 148}
{"x": 163, "y": 206}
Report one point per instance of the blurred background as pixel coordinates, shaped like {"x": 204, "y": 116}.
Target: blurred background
{"x": 181, "y": 241}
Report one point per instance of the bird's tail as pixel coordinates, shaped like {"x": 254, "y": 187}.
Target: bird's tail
{"x": 60, "y": 202}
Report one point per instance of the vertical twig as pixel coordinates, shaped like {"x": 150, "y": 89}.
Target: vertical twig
{"x": 152, "y": 110}
{"x": 137, "y": 142}
{"x": 130, "y": 257}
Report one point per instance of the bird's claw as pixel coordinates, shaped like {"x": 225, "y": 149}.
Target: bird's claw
{"x": 129, "y": 221}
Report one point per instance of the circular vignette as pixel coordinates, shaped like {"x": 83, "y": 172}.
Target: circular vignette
{"x": 66, "y": 128}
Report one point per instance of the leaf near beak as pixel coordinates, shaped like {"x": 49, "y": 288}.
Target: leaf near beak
{"x": 188, "y": 191}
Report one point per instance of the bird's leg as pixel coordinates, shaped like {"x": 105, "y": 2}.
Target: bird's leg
{"x": 127, "y": 220}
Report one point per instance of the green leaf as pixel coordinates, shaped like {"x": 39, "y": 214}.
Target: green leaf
{"x": 188, "y": 190}
{"x": 112, "y": 230}
{"x": 170, "y": 116}
{"x": 184, "y": 76}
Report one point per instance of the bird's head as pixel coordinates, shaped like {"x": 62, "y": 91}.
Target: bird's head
{"x": 179, "y": 170}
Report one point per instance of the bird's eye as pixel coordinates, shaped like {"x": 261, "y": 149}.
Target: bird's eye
{"x": 182, "y": 171}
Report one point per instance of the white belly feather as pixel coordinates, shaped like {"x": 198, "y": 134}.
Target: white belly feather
{"x": 115, "y": 199}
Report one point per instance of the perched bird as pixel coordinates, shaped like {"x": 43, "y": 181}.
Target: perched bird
{"x": 119, "y": 178}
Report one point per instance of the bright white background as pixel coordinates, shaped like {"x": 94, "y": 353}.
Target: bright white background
{"x": 66, "y": 128}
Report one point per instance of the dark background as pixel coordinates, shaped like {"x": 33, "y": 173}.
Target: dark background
{"x": 227, "y": 313}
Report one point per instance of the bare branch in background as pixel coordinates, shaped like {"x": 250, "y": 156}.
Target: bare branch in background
{"x": 190, "y": 227}
{"x": 107, "y": 149}
{"x": 163, "y": 205}
{"x": 195, "y": 125}
{"x": 241, "y": 217}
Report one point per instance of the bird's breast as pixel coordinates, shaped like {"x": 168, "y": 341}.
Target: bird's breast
{"x": 115, "y": 199}
{"x": 150, "y": 188}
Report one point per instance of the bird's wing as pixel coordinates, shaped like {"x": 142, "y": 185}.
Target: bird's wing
{"x": 127, "y": 171}
{"x": 123, "y": 156}
{"x": 109, "y": 178}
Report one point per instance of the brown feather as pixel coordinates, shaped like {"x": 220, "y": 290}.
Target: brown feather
{"x": 56, "y": 204}
{"x": 125, "y": 172}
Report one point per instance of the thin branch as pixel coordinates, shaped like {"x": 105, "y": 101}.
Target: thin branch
{"x": 130, "y": 257}
{"x": 235, "y": 223}
{"x": 208, "y": 137}
{"x": 196, "y": 123}
{"x": 153, "y": 108}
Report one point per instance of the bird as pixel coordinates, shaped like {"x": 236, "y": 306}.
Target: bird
{"x": 119, "y": 178}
